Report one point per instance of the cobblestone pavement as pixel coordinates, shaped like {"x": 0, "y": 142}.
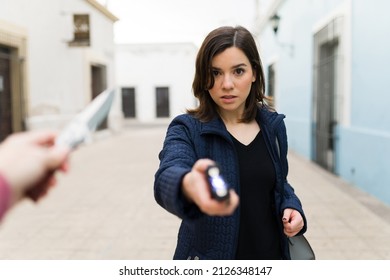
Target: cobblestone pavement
{"x": 104, "y": 209}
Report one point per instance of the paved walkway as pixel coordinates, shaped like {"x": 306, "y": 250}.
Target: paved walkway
{"x": 105, "y": 209}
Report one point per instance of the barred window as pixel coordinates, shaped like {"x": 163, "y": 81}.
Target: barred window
{"x": 81, "y": 27}
{"x": 162, "y": 102}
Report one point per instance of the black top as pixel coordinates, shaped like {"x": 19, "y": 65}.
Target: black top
{"x": 258, "y": 232}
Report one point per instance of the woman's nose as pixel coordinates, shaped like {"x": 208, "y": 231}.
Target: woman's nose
{"x": 227, "y": 82}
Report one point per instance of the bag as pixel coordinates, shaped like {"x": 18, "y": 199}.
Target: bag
{"x": 300, "y": 248}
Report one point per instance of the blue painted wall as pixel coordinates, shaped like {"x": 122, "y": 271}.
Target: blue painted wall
{"x": 364, "y": 160}
{"x": 363, "y": 145}
{"x": 294, "y": 66}
{"x": 371, "y": 64}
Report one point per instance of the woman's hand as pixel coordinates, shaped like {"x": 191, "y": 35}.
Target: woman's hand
{"x": 195, "y": 189}
{"x": 292, "y": 222}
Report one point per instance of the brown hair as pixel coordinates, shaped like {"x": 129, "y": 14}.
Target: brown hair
{"x": 215, "y": 43}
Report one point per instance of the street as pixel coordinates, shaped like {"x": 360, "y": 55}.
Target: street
{"x": 104, "y": 208}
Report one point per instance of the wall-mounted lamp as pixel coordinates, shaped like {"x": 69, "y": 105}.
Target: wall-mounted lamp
{"x": 274, "y": 21}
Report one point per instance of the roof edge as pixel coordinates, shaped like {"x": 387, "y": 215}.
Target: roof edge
{"x": 103, "y": 10}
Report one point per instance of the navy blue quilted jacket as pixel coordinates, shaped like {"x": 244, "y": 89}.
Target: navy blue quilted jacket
{"x": 187, "y": 140}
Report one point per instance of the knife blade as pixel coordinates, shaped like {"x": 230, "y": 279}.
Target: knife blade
{"x": 86, "y": 122}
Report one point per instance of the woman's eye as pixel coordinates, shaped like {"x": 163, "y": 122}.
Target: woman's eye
{"x": 215, "y": 73}
{"x": 239, "y": 71}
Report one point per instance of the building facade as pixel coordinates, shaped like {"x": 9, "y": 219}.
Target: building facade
{"x": 55, "y": 57}
{"x": 326, "y": 66}
{"x": 155, "y": 80}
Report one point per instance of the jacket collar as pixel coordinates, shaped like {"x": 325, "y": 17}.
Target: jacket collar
{"x": 264, "y": 117}
{"x": 215, "y": 126}
{"x": 268, "y": 118}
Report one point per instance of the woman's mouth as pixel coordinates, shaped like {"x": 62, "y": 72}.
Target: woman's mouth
{"x": 228, "y": 98}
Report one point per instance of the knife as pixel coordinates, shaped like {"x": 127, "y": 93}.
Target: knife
{"x": 76, "y": 133}
{"x": 86, "y": 122}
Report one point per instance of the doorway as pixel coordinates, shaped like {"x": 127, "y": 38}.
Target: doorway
{"x": 327, "y": 95}
{"x": 5, "y": 93}
{"x": 325, "y": 107}
{"x": 98, "y": 85}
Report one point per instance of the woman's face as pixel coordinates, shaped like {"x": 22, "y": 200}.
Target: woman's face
{"x": 233, "y": 78}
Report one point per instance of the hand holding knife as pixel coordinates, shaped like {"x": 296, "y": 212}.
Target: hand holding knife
{"x": 76, "y": 133}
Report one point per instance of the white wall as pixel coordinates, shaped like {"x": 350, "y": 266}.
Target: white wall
{"x": 147, "y": 66}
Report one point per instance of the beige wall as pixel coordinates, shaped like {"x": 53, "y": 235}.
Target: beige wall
{"x": 56, "y": 77}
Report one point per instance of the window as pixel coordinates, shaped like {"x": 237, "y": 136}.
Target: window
{"x": 271, "y": 84}
{"x": 162, "y": 102}
{"x": 81, "y": 30}
{"x": 271, "y": 81}
{"x": 128, "y": 102}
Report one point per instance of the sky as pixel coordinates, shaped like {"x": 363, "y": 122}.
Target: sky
{"x": 156, "y": 21}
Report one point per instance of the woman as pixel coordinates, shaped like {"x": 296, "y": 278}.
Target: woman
{"x": 235, "y": 128}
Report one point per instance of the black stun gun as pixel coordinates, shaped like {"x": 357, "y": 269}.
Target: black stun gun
{"x": 218, "y": 187}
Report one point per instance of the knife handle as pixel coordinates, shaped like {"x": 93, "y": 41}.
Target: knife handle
{"x": 40, "y": 188}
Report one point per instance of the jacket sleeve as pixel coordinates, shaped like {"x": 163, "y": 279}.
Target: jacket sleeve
{"x": 176, "y": 159}
{"x": 289, "y": 198}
